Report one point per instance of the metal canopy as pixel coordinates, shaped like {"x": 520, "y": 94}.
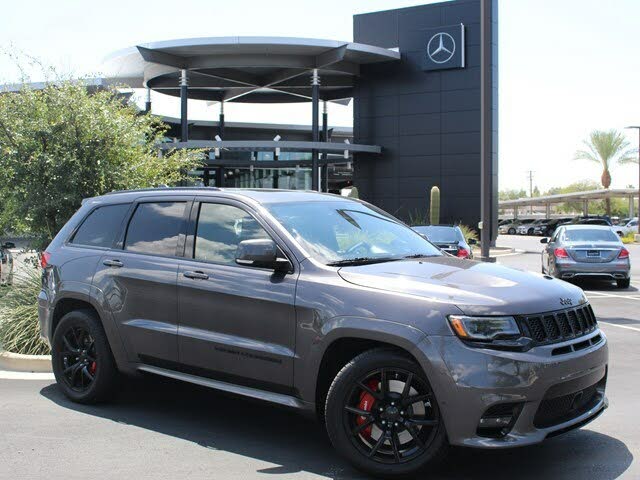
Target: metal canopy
{"x": 285, "y": 146}
{"x": 569, "y": 197}
{"x": 247, "y": 69}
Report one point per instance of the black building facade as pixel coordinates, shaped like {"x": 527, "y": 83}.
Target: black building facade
{"x": 426, "y": 112}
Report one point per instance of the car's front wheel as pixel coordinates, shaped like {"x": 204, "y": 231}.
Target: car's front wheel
{"x": 81, "y": 358}
{"x": 512, "y": 231}
{"x": 382, "y": 415}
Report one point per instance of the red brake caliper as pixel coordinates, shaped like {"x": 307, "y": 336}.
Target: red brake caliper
{"x": 92, "y": 368}
{"x": 366, "y": 404}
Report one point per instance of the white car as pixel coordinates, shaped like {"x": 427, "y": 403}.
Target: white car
{"x": 630, "y": 227}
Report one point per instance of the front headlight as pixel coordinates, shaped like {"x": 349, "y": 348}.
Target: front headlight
{"x": 484, "y": 328}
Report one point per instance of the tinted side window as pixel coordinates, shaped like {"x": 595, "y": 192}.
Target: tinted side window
{"x": 101, "y": 226}
{"x": 155, "y": 227}
{"x": 220, "y": 229}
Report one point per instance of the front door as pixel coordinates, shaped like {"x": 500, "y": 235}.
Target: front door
{"x": 139, "y": 280}
{"x": 237, "y": 323}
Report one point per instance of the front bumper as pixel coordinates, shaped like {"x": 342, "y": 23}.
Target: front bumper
{"x": 468, "y": 381}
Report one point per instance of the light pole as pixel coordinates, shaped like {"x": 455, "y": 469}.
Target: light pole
{"x": 637, "y": 127}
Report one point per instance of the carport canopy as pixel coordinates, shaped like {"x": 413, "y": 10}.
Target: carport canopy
{"x": 585, "y": 197}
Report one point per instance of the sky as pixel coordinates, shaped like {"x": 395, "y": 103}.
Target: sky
{"x": 566, "y": 67}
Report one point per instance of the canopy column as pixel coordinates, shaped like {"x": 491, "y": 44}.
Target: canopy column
{"x": 184, "y": 91}
{"x": 315, "y": 100}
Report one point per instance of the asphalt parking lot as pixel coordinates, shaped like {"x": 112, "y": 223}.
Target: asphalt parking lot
{"x": 160, "y": 429}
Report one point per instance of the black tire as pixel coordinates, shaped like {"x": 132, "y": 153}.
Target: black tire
{"x": 423, "y": 444}
{"x": 512, "y": 231}
{"x": 530, "y": 231}
{"x": 82, "y": 360}
{"x": 624, "y": 283}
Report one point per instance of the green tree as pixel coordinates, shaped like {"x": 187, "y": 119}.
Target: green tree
{"x": 512, "y": 194}
{"x": 64, "y": 143}
{"x": 606, "y": 148}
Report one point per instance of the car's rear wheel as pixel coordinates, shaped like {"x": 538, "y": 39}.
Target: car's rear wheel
{"x": 82, "y": 360}
{"x": 624, "y": 283}
{"x": 382, "y": 415}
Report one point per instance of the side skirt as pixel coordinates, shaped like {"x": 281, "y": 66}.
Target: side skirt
{"x": 279, "y": 398}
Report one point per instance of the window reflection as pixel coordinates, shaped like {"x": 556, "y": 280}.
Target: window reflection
{"x": 220, "y": 229}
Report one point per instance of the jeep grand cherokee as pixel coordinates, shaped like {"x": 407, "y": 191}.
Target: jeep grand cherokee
{"x": 324, "y": 304}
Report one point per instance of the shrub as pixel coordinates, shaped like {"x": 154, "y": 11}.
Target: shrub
{"x": 19, "y": 328}
{"x": 469, "y": 233}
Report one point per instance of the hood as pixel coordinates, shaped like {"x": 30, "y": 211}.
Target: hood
{"x": 476, "y": 288}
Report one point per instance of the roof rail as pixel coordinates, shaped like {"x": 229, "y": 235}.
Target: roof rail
{"x": 161, "y": 189}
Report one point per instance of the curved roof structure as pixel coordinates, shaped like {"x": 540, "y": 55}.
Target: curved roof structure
{"x": 246, "y": 69}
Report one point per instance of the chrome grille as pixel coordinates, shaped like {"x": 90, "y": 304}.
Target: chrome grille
{"x": 554, "y": 327}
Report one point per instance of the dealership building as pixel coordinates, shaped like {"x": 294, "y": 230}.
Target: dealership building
{"x": 423, "y": 81}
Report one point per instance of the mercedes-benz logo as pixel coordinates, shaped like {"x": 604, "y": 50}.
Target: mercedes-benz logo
{"x": 441, "y": 47}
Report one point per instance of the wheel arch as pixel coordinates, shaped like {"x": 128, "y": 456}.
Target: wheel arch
{"x": 346, "y": 337}
{"x": 69, "y": 300}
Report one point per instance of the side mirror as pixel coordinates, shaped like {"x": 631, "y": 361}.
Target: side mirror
{"x": 8, "y": 245}
{"x": 472, "y": 241}
{"x": 544, "y": 240}
{"x": 261, "y": 253}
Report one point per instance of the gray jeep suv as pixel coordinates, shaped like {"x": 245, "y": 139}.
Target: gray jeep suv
{"x": 324, "y": 304}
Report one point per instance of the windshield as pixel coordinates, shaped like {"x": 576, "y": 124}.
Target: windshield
{"x": 347, "y": 231}
{"x": 441, "y": 234}
{"x": 589, "y": 235}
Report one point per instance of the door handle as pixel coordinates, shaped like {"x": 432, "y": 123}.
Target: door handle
{"x": 113, "y": 263}
{"x": 196, "y": 275}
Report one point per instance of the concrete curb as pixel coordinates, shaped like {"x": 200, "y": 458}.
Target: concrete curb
{"x": 16, "y": 362}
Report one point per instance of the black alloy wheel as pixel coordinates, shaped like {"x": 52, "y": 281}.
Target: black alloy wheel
{"x": 382, "y": 415}
{"x": 81, "y": 358}
{"x": 78, "y": 358}
{"x": 399, "y": 424}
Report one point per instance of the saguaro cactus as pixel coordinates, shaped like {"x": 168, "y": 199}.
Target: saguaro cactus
{"x": 434, "y": 206}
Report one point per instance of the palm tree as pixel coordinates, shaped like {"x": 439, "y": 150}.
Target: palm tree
{"x": 606, "y": 148}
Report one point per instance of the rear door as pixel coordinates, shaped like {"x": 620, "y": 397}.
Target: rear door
{"x": 237, "y": 323}
{"x": 138, "y": 278}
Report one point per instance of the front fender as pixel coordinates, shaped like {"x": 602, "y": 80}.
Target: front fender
{"x": 397, "y": 334}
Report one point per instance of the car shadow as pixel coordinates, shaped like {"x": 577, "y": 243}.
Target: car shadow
{"x": 295, "y": 443}
{"x": 598, "y": 285}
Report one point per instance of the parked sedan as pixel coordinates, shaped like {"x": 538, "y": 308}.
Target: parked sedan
{"x": 511, "y": 227}
{"x": 547, "y": 227}
{"x": 528, "y": 228}
{"x": 629, "y": 227}
{"x": 6, "y": 264}
{"x": 448, "y": 238}
{"x": 586, "y": 251}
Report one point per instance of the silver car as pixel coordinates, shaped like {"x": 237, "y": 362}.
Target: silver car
{"x": 586, "y": 251}
{"x": 6, "y": 263}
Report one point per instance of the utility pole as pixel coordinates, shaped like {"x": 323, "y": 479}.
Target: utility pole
{"x": 530, "y": 176}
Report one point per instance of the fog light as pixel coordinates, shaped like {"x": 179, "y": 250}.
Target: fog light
{"x": 499, "y": 419}
{"x": 495, "y": 422}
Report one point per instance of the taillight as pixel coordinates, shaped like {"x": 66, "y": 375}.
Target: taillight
{"x": 624, "y": 253}
{"x": 44, "y": 259}
{"x": 463, "y": 253}
{"x": 560, "y": 253}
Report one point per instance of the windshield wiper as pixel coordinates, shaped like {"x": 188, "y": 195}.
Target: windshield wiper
{"x": 420, "y": 255}
{"x": 361, "y": 261}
